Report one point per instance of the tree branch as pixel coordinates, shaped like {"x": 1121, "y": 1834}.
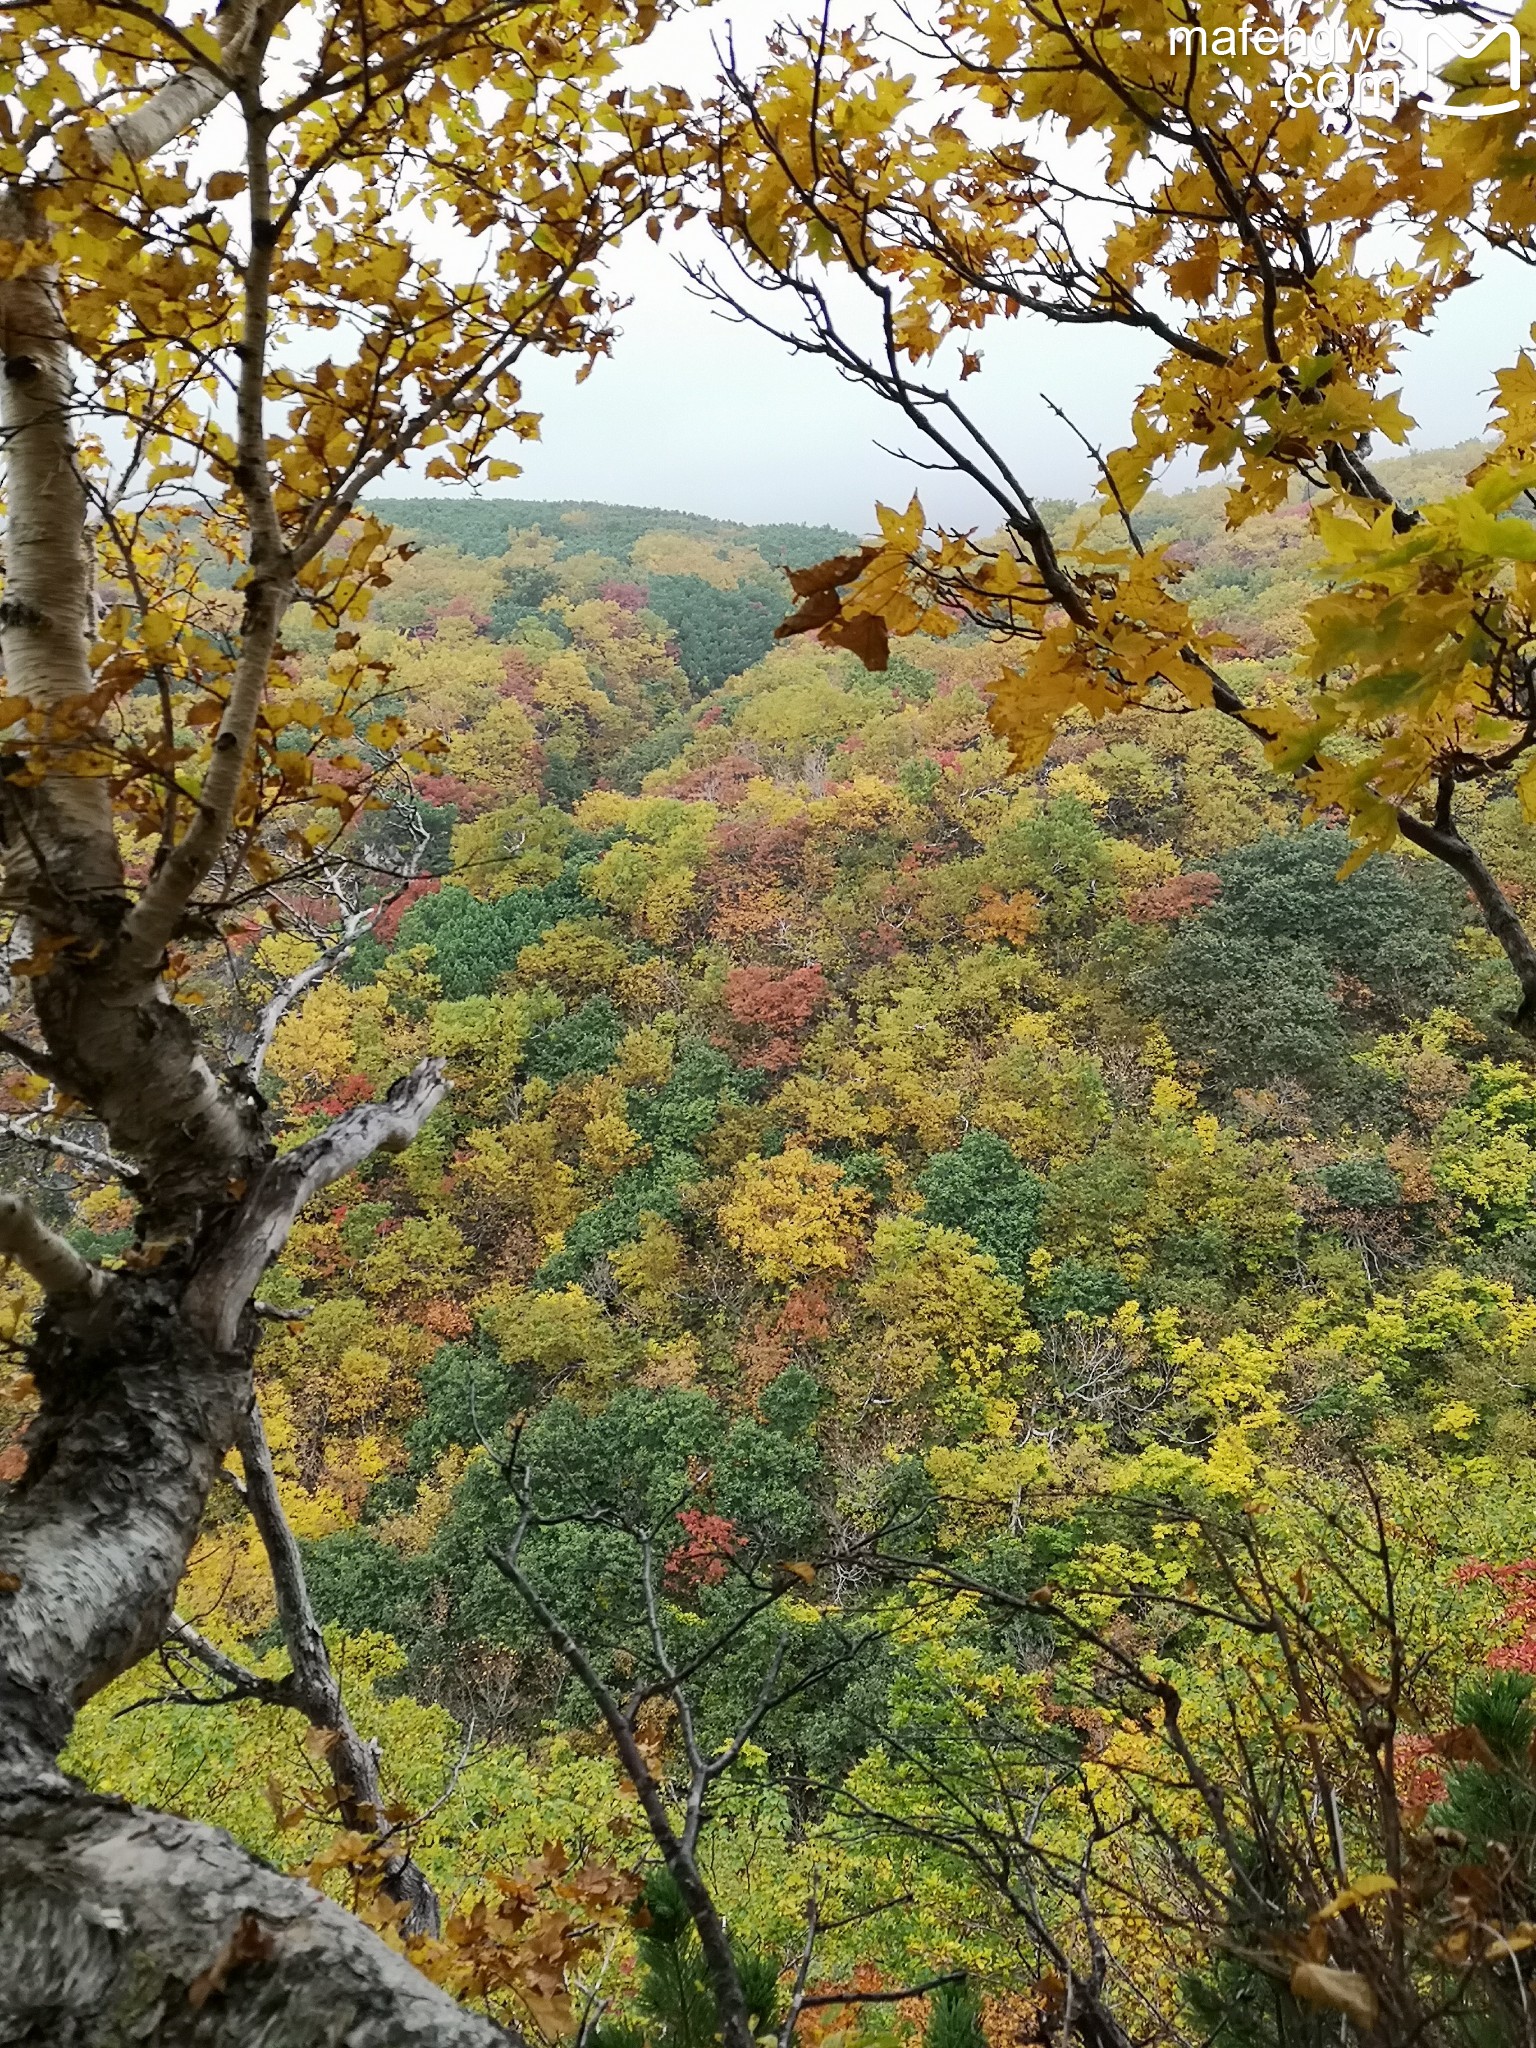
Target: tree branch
{"x": 357, "y": 919}
{"x": 32, "y": 1056}
{"x": 112, "y": 1909}
{"x": 52, "y": 1262}
{"x": 883, "y": 1997}
{"x": 21, "y": 1129}
{"x": 184, "y": 100}
{"x": 312, "y": 1688}
{"x": 255, "y": 1235}
{"x": 282, "y": 1000}
{"x": 150, "y": 924}
{"x": 243, "y": 1684}
{"x": 719, "y": 1959}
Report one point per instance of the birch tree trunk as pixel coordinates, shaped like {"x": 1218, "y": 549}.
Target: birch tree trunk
{"x": 126, "y": 1926}
{"x": 120, "y": 1925}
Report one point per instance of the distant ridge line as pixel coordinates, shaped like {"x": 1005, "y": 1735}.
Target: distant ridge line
{"x": 479, "y": 526}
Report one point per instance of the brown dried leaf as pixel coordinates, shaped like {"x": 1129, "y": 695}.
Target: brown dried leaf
{"x": 818, "y": 610}
{"x": 864, "y": 635}
{"x": 829, "y": 574}
{"x": 1466, "y": 1745}
{"x": 284, "y": 1815}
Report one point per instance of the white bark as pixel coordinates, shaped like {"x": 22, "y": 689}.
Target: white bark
{"x": 114, "y": 1038}
{"x": 38, "y": 1130}
{"x": 240, "y": 1684}
{"x": 257, "y": 1231}
{"x": 189, "y": 97}
{"x": 52, "y": 1262}
{"x": 119, "y": 1044}
{"x": 136, "y": 1417}
{"x": 59, "y": 841}
{"x": 144, "y": 1378}
{"x": 282, "y": 999}
{"x": 117, "y": 1922}
{"x": 120, "y": 1925}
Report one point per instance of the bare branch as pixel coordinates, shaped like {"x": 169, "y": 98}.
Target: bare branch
{"x": 720, "y": 1962}
{"x": 802, "y": 1971}
{"x": 32, "y": 1056}
{"x": 35, "y": 1130}
{"x": 883, "y": 1997}
{"x": 313, "y": 1688}
{"x": 283, "y": 999}
{"x": 242, "y": 1684}
{"x": 357, "y": 919}
{"x": 224, "y": 1282}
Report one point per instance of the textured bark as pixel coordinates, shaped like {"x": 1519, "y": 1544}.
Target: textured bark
{"x": 143, "y": 1379}
{"x": 185, "y": 100}
{"x": 50, "y": 1259}
{"x": 113, "y": 1037}
{"x": 57, "y": 841}
{"x": 113, "y": 1918}
{"x": 137, "y": 1415}
{"x": 116, "y": 1923}
{"x": 255, "y": 1231}
{"x": 1444, "y": 842}
{"x": 130, "y": 1053}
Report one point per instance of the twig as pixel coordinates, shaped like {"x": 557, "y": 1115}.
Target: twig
{"x": 884, "y": 1997}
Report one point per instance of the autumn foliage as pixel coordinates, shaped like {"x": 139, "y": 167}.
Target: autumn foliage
{"x": 929, "y": 1431}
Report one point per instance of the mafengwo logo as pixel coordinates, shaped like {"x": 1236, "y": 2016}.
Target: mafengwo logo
{"x": 1337, "y": 68}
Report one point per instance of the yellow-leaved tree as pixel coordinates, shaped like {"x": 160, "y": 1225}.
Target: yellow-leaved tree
{"x": 1273, "y": 224}
{"x": 249, "y": 262}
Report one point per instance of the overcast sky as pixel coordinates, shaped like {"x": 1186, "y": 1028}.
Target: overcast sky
{"x": 693, "y": 414}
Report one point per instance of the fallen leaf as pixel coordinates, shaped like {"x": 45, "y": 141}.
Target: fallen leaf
{"x": 13, "y": 1462}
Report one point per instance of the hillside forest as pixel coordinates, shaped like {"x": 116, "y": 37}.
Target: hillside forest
{"x": 997, "y": 1310}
